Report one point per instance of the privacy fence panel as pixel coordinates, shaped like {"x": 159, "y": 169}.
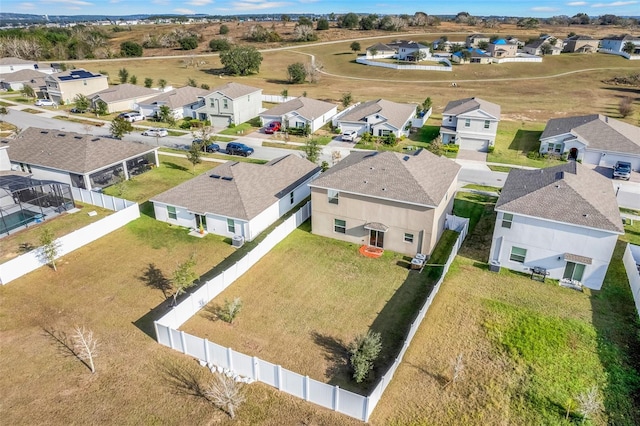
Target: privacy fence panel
{"x": 268, "y": 373}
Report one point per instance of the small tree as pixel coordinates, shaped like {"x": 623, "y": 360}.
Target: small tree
{"x": 311, "y": 150}
{"x": 133, "y": 79}
{"x": 120, "y": 127}
{"x": 625, "y": 106}
{"x": 188, "y": 43}
{"x": 101, "y": 108}
{"x": 130, "y": 49}
{"x": 629, "y": 47}
{"x": 183, "y": 277}
{"x": 457, "y": 367}
{"x": 195, "y": 154}
{"x": 192, "y": 82}
{"x": 218, "y": 45}
{"x": 373, "y": 52}
{"x": 355, "y": 46}
{"x": 165, "y": 115}
{"x": 148, "y": 82}
{"x": 322, "y": 24}
{"x": 123, "y": 75}
{"x": 50, "y": 247}
{"x": 347, "y": 99}
{"x": 435, "y": 147}
{"x": 241, "y": 60}
{"x": 284, "y": 93}
{"x": 230, "y": 310}
{"x": 81, "y": 102}
{"x": 3, "y": 111}
{"x": 589, "y": 403}
{"x": 224, "y": 29}
{"x": 225, "y": 393}
{"x": 162, "y": 83}
{"x": 364, "y": 350}
{"x": 546, "y": 49}
{"x": 85, "y": 346}
{"x": 426, "y": 104}
{"x": 297, "y": 73}
{"x": 28, "y": 91}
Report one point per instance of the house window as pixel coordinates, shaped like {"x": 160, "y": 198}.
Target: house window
{"x": 340, "y": 226}
{"x": 558, "y": 148}
{"x": 333, "y": 196}
{"x": 550, "y": 147}
{"x": 467, "y": 122}
{"x": 300, "y": 125}
{"x": 291, "y": 197}
{"x": 450, "y": 119}
{"x": 212, "y": 103}
{"x": 507, "y": 218}
{"x": 171, "y": 212}
{"x": 573, "y": 271}
{"x": 518, "y": 254}
{"x": 231, "y": 226}
{"x": 225, "y": 104}
{"x": 487, "y": 123}
{"x": 248, "y": 98}
{"x": 408, "y": 238}
{"x": 383, "y": 132}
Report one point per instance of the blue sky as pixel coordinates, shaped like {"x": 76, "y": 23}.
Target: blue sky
{"x": 539, "y": 8}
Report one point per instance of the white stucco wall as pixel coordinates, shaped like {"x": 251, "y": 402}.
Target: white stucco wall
{"x": 546, "y": 243}
{"x": 44, "y": 173}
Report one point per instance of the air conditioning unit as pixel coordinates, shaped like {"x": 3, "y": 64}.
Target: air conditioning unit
{"x": 237, "y": 241}
{"x": 494, "y": 266}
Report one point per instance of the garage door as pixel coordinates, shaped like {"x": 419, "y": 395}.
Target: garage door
{"x": 592, "y": 157}
{"x": 219, "y": 120}
{"x": 474, "y": 144}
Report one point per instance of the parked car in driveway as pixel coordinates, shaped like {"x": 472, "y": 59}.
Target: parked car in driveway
{"x": 272, "y": 127}
{"x": 349, "y": 136}
{"x": 235, "y": 148}
{"x": 77, "y": 110}
{"x": 131, "y": 116}
{"x": 45, "y": 102}
{"x": 159, "y": 133}
{"x": 622, "y": 170}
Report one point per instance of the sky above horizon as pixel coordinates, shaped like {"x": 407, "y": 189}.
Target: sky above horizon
{"x": 523, "y": 8}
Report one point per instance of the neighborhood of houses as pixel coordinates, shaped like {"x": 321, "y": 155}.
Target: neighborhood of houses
{"x": 562, "y": 222}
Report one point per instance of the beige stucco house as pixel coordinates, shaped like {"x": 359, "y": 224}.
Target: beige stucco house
{"x": 123, "y": 97}
{"x": 390, "y": 200}
{"x": 232, "y": 103}
{"x": 580, "y": 44}
{"x": 63, "y": 87}
{"x": 502, "y": 49}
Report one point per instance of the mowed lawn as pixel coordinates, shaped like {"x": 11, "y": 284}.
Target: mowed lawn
{"x": 308, "y": 298}
{"x": 529, "y": 349}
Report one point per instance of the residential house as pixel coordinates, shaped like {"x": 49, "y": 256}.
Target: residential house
{"x": 502, "y": 49}
{"x": 13, "y": 64}
{"x": 379, "y": 117}
{"x": 616, "y": 44}
{"x": 63, "y": 87}
{"x": 123, "y": 97}
{"x": 182, "y": 102}
{"x": 18, "y": 79}
{"x": 237, "y": 198}
{"x": 563, "y": 219}
{"x": 232, "y": 103}
{"x": 471, "y": 123}
{"x": 474, "y": 40}
{"x": 592, "y": 139}
{"x": 300, "y": 113}
{"x": 83, "y": 161}
{"x": 390, "y": 200}
{"x": 380, "y": 51}
{"x": 539, "y": 46}
{"x": 580, "y": 44}
{"x": 403, "y": 50}
{"x": 473, "y": 56}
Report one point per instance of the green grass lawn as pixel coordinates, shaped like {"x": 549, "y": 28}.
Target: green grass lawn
{"x": 514, "y": 140}
{"x": 482, "y": 188}
{"x": 217, "y": 156}
{"x": 632, "y": 232}
{"x": 240, "y": 129}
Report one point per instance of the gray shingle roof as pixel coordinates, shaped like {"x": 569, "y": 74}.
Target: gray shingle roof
{"x": 240, "y": 190}
{"x": 380, "y": 47}
{"x": 235, "y": 90}
{"x": 597, "y": 131}
{"x": 23, "y": 75}
{"x": 177, "y": 98}
{"x": 396, "y": 114}
{"x": 306, "y": 107}
{"x": 69, "y": 151}
{"x": 12, "y": 60}
{"x": 569, "y": 193}
{"x": 123, "y": 92}
{"x": 421, "y": 178}
{"x": 462, "y": 106}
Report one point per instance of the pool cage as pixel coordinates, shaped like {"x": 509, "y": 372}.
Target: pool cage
{"x": 25, "y": 201}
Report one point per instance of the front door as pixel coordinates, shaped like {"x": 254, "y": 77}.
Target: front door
{"x": 201, "y": 221}
{"x": 376, "y": 238}
{"x": 573, "y": 153}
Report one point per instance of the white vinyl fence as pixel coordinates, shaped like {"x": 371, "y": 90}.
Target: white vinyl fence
{"x": 528, "y": 58}
{"x": 623, "y": 54}
{"x": 126, "y": 211}
{"x": 631, "y": 261}
{"x": 276, "y": 99}
{"x": 448, "y": 67}
{"x": 255, "y": 369}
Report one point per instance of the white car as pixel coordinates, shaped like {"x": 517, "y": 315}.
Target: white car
{"x": 45, "y": 102}
{"x": 159, "y": 133}
{"x": 131, "y": 116}
{"x": 349, "y": 136}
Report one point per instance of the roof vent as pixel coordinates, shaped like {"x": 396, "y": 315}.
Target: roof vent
{"x": 406, "y": 158}
{"x": 95, "y": 139}
{"x": 62, "y": 135}
{"x": 215, "y": 176}
{"x": 586, "y": 215}
{"x": 229, "y": 178}
{"x": 44, "y": 132}
{"x": 384, "y": 189}
{"x": 77, "y": 137}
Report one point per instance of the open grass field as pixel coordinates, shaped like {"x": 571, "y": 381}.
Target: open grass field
{"x": 309, "y": 297}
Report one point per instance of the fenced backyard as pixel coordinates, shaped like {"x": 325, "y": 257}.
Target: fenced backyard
{"x": 214, "y": 355}
{"x": 631, "y": 260}
{"x": 445, "y": 67}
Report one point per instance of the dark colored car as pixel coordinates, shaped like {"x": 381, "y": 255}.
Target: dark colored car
{"x": 272, "y": 127}
{"x": 235, "y": 148}
{"x": 78, "y": 110}
{"x": 622, "y": 170}
{"x": 209, "y": 147}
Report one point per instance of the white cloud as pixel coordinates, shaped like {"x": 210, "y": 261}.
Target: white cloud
{"x": 258, "y": 5}
{"x": 199, "y": 2}
{"x": 182, "y": 11}
{"x": 543, "y": 9}
{"x": 74, "y": 4}
{"x": 577, "y": 3}
{"x": 614, "y": 4}
{"x": 27, "y": 6}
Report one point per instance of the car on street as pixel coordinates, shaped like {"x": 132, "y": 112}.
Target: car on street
{"x": 159, "y": 133}
{"x": 45, "y": 102}
{"x": 235, "y": 148}
{"x": 207, "y": 146}
{"x": 622, "y": 170}
{"x": 132, "y": 116}
{"x": 272, "y": 127}
{"x": 349, "y": 136}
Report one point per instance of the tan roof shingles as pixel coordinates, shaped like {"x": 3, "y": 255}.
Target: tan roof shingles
{"x": 462, "y": 106}
{"x": 177, "y": 98}
{"x": 306, "y": 107}
{"x": 420, "y": 178}
{"x": 72, "y": 152}
{"x": 248, "y": 191}
{"x": 235, "y": 90}
{"x": 123, "y": 92}
{"x": 569, "y": 193}
{"x": 396, "y": 114}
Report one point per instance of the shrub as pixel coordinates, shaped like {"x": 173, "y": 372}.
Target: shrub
{"x": 491, "y": 149}
{"x": 364, "y": 350}
{"x": 224, "y": 29}
{"x": 230, "y": 310}
{"x": 451, "y": 147}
